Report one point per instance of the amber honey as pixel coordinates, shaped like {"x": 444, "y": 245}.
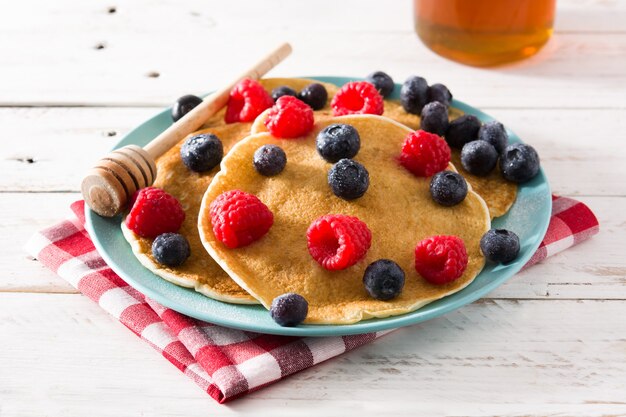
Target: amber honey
{"x": 484, "y": 32}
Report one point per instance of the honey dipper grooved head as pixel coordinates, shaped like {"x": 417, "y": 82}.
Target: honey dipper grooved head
{"x": 110, "y": 185}
{"x": 103, "y": 193}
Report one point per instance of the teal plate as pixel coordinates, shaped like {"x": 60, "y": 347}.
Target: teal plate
{"x": 529, "y": 218}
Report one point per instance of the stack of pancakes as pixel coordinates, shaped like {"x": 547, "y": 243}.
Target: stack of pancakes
{"x": 397, "y": 208}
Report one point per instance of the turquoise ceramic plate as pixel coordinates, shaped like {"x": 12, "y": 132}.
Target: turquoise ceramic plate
{"x": 528, "y": 217}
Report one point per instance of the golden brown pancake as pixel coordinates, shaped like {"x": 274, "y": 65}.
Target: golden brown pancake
{"x": 200, "y": 271}
{"x": 394, "y": 110}
{"x": 397, "y": 208}
{"x": 498, "y": 193}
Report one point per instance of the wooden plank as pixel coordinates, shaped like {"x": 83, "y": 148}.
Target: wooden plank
{"x": 546, "y": 80}
{"x": 92, "y": 56}
{"x": 590, "y": 16}
{"x": 490, "y": 358}
{"x": 348, "y": 16}
{"x": 577, "y": 147}
{"x": 140, "y": 16}
{"x": 22, "y": 215}
{"x": 572, "y": 144}
{"x": 593, "y": 270}
{"x": 50, "y": 149}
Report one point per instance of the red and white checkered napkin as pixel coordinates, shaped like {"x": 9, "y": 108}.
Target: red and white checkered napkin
{"x": 228, "y": 363}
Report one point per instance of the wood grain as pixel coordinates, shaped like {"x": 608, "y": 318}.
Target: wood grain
{"x": 490, "y": 358}
{"x": 23, "y": 216}
{"x": 103, "y": 81}
{"x": 94, "y": 59}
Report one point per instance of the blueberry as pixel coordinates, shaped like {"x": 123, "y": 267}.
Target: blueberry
{"x": 269, "y": 160}
{"x": 383, "y": 82}
{"x": 434, "y": 118}
{"x": 170, "y": 249}
{"x": 289, "y": 309}
{"x": 338, "y": 141}
{"x": 500, "y": 245}
{"x": 462, "y": 130}
{"x": 348, "y": 179}
{"x": 440, "y": 93}
{"x": 414, "y": 94}
{"x": 184, "y": 105}
{"x": 283, "y": 90}
{"x": 479, "y": 157}
{"x": 383, "y": 279}
{"x": 448, "y": 188}
{"x": 494, "y": 133}
{"x": 519, "y": 162}
{"x": 201, "y": 153}
{"x": 315, "y": 95}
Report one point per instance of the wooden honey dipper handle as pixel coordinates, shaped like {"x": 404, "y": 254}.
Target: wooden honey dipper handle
{"x": 109, "y": 185}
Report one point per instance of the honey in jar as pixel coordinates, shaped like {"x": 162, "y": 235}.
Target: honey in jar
{"x": 484, "y": 32}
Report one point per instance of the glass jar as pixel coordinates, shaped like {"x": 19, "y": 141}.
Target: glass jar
{"x": 484, "y": 32}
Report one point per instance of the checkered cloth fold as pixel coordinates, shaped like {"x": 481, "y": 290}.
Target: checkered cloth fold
{"x": 228, "y": 363}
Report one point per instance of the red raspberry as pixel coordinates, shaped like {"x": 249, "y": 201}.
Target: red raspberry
{"x": 239, "y": 218}
{"x": 440, "y": 259}
{"x": 424, "y": 153}
{"x": 337, "y": 241}
{"x": 289, "y": 118}
{"x": 154, "y": 212}
{"x": 247, "y": 100}
{"x": 357, "y": 97}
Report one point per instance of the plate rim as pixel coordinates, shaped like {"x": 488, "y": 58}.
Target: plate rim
{"x": 366, "y": 326}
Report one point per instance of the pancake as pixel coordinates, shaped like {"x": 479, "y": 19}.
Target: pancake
{"x": 395, "y": 111}
{"x": 498, "y": 193}
{"x": 397, "y": 208}
{"x": 200, "y": 271}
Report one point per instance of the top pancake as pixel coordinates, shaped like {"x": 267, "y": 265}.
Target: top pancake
{"x": 200, "y": 271}
{"x": 397, "y": 208}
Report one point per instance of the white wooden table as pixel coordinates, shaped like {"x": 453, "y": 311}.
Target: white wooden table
{"x": 76, "y": 76}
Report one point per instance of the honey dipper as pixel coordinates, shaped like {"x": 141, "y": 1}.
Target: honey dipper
{"x": 110, "y": 184}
